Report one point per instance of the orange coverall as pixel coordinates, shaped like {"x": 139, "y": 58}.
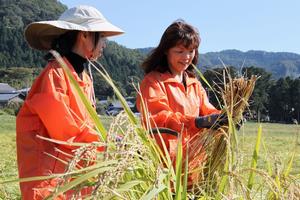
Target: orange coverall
{"x": 53, "y": 110}
{"x": 173, "y": 106}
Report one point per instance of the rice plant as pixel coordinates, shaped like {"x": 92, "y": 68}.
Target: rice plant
{"x": 130, "y": 165}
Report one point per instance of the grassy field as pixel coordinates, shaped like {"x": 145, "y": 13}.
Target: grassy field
{"x": 279, "y": 139}
{"x": 8, "y": 166}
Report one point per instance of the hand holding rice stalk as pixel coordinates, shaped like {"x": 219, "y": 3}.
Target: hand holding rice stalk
{"x": 218, "y": 141}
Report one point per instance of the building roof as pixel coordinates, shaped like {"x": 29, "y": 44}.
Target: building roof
{"x": 24, "y": 90}
{"x": 117, "y": 103}
{"x": 5, "y": 88}
{"x": 7, "y": 97}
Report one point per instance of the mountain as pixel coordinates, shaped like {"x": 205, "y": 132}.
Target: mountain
{"x": 280, "y": 64}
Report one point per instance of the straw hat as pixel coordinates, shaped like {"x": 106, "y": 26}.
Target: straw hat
{"x": 40, "y": 35}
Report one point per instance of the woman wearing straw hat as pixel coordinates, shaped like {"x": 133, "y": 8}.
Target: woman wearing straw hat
{"x": 173, "y": 98}
{"x": 53, "y": 109}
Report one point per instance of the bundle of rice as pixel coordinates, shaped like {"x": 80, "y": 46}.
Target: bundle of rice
{"x": 216, "y": 141}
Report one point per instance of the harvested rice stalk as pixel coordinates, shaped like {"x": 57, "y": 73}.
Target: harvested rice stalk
{"x": 216, "y": 141}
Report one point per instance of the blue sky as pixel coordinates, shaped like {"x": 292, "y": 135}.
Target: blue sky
{"x": 269, "y": 25}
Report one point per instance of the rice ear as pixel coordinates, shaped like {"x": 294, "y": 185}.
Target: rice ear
{"x": 235, "y": 93}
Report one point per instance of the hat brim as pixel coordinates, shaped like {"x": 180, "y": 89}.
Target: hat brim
{"x": 40, "y": 35}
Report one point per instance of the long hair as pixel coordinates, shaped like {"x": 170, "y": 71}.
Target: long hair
{"x": 179, "y": 32}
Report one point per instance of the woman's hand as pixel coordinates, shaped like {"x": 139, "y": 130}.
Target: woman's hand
{"x": 208, "y": 121}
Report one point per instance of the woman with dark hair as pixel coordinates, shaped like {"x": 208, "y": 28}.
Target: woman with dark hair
{"x": 53, "y": 109}
{"x": 172, "y": 96}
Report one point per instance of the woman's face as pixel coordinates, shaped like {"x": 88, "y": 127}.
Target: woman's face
{"x": 179, "y": 58}
{"x": 98, "y": 50}
{"x": 91, "y": 51}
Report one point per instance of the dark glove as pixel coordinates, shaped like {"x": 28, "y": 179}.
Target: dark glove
{"x": 208, "y": 121}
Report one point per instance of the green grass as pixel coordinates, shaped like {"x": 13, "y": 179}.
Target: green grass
{"x": 8, "y": 165}
{"x": 7, "y": 124}
{"x": 279, "y": 140}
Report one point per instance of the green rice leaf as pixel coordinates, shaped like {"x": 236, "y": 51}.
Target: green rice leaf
{"x": 123, "y": 101}
{"x": 185, "y": 178}
{"x": 255, "y": 158}
{"x": 206, "y": 82}
{"x": 224, "y": 179}
{"x": 158, "y": 187}
{"x": 128, "y": 185}
{"x": 269, "y": 167}
{"x": 179, "y": 169}
{"x": 82, "y": 178}
{"x": 154, "y": 192}
{"x": 290, "y": 164}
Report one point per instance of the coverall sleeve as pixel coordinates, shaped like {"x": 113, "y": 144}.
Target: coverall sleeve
{"x": 161, "y": 115}
{"x": 52, "y": 105}
{"x": 206, "y": 108}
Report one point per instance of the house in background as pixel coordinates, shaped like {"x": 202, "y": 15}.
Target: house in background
{"x": 115, "y": 107}
{"x": 9, "y": 95}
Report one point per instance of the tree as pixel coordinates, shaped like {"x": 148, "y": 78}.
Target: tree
{"x": 15, "y": 15}
{"x": 260, "y": 96}
{"x": 215, "y": 78}
{"x": 295, "y": 96}
{"x": 279, "y": 107}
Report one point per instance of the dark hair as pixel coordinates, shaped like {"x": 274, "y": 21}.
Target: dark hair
{"x": 65, "y": 43}
{"x": 179, "y": 32}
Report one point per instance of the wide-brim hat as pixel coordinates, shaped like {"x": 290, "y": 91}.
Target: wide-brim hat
{"x": 40, "y": 35}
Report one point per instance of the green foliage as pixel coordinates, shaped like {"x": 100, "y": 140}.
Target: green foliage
{"x": 284, "y": 100}
{"x": 255, "y": 158}
{"x": 12, "y": 108}
{"x": 7, "y": 124}
{"x": 15, "y": 15}
{"x": 123, "y": 65}
{"x": 19, "y": 77}
{"x": 8, "y": 165}
{"x": 276, "y": 136}
{"x": 260, "y": 96}
{"x": 19, "y": 64}
{"x": 121, "y": 62}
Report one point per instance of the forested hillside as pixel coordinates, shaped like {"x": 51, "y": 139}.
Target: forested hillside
{"x": 14, "y": 16}
{"x": 120, "y": 62}
{"x": 123, "y": 65}
{"x": 280, "y": 64}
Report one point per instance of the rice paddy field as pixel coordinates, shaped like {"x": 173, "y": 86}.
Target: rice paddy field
{"x": 277, "y": 144}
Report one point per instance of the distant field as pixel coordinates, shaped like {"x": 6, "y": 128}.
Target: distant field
{"x": 279, "y": 139}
